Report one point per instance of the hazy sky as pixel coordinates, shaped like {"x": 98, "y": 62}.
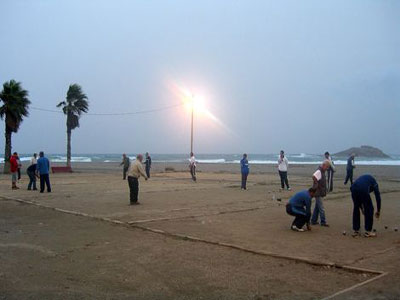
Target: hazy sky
{"x": 304, "y": 76}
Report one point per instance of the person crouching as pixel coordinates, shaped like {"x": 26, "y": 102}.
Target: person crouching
{"x": 299, "y": 206}
{"x": 135, "y": 172}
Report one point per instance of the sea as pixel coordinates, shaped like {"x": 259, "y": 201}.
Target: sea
{"x": 268, "y": 159}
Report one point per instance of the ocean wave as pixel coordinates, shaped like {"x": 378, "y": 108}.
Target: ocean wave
{"x": 301, "y": 155}
{"x": 211, "y": 161}
{"x": 60, "y": 159}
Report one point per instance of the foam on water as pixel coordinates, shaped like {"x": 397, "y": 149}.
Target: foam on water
{"x": 256, "y": 159}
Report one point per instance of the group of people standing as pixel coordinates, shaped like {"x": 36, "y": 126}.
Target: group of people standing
{"x": 38, "y": 168}
{"x": 299, "y": 205}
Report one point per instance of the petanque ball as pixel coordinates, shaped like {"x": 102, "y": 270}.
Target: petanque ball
{"x": 374, "y": 230}
{"x": 344, "y": 232}
{"x": 395, "y": 229}
{"x": 386, "y": 227}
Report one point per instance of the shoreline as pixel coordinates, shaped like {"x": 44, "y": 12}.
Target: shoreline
{"x": 392, "y": 172}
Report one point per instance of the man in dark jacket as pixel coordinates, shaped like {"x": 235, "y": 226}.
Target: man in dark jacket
{"x": 125, "y": 163}
{"x": 299, "y": 206}
{"x": 244, "y": 169}
{"x": 349, "y": 169}
{"x": 319, "y": 185}
{"x": 360, "y": 191}
{"x": 148, "y": 164}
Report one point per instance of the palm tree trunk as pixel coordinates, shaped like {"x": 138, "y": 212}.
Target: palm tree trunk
{"x": 69, "y": 147}
{"x": 7, "y": 150}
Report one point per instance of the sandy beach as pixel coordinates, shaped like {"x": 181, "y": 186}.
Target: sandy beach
{"x": 204, "y": 240}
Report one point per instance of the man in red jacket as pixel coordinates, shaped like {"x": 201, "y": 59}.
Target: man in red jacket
{"x": 14, "y": 170}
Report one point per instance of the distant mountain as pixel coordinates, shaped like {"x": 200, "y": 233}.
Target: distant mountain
{"x": 363, "y": 151}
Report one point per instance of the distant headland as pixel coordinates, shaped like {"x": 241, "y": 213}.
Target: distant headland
{"x": 363, "y": 151}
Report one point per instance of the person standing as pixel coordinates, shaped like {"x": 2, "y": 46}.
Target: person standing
{"x": 244, "y": 168}
{"x": 360, "y": 191}
{"x": 283, "y": 165}
{"x": 349, "y": 169}
{"x": 19, "y": 167}
{"x": 192, "y": 166}
{"x": 330, "y": 172}
{"x": 125, "y": 163}
{"x": 43, "y": 168}
{"x": 135, "y": 172}
{"x": 299, "y": 206}
{"x": 31, "y": 171}
{"x": 14, "y": 170}
{"x": 319, "y": 185}
{"x": 148, "y": 164}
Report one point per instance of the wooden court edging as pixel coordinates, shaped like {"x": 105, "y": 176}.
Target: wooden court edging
{"x": 305, "y": 260}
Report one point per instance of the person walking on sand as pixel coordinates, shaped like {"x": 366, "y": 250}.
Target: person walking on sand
{"x": 192, "y": 166}
{"x": 136, "y": 170}
{"x": 299, "y": 206}
{"x": 319, "y": 185}
{"x": 330, "y": 172}
{"x": 283, "y": 165}
{"x": 349, "y": 169}
{"x": 14, "y": 170}
{"x": 244, "y": 168}
{"x": 125, "y": 163}
{"x": 360, "y": 191}
{"x": 43, "y": 168}
{"x": 148, "y": 164}
{"x": 31, "y": 171}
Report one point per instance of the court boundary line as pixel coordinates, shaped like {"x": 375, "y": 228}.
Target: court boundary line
{"x": 379, "y": 274}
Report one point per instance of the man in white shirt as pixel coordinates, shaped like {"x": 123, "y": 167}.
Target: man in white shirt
{"x": 283, "y": 165}
{"x": 330, "y": 172}
{"x": 34, "y": 159}
{"x": 319, "y": 185}
{"x": 192, "y": 166}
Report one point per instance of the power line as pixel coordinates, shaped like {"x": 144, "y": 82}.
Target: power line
{"x": 114, "y": 114}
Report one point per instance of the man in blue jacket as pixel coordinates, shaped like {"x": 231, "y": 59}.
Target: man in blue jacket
{"x": 360, "y": 191}
{"x": 43, "y": 168}
{"x": 244, "y": 168}
{"x": 299, "y": 206}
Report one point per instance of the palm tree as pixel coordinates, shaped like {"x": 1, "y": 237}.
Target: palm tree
{"x": 14, "y": 109}
{"x": 74, "y": 105}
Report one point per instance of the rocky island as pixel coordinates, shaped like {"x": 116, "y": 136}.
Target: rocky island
{"x": 363, "y": 151}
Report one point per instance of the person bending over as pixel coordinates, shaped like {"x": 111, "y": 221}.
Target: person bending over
{"x": 360, "y": 191}
{"x": 299, "y": 206}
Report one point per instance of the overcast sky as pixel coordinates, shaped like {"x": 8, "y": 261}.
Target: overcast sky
{"x": 304, "y": 76}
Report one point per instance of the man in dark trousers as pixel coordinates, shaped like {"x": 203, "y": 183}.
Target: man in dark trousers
{"x": 349, "y": 169}
{"x": 244, "y": 168}
{"x": 330, "y": 172}
{"x": 125, "y": 163}
{"x": 148, "y": 164}
{"x": 43, "y": 168}
{"x": 360, "y": 191}
{"x": 31, "y": 171}
{"x": 319, "y": 185}
{"x": 135, "y": 172}
{"x": 299, "y": 206}
{"x": 14, "y": 170}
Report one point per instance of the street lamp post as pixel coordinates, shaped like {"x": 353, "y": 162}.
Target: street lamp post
{"x": 191, "y": 135}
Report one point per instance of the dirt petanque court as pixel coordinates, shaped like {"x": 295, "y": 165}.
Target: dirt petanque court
{"x": 204, "y": 240}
